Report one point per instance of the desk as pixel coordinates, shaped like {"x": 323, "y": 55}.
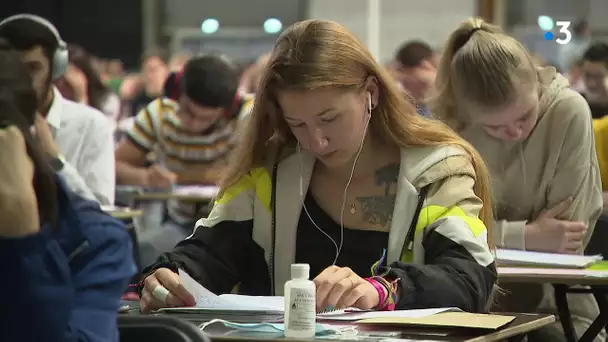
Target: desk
{"x": 153, "y": 203}
{"x": 182, "y": 193}
{"x": 127, "y": 216}
{"x": 563, "y": 281}
{"x": 515, "y": 330}
{"x": 163, "y": 196}
{"x": 122, "y": 213}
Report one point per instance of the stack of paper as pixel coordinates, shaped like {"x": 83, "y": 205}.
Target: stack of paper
{"x": 233, "y": 308}
{"x": 138, "y": 190}
{"x": 510, "y": 257}
{"x": 255, "y": 309}
{"x": 551, "y": 272}
{"x": 205, "y": 191}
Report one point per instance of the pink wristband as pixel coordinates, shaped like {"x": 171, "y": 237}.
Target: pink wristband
{"x": 382, "y": 292}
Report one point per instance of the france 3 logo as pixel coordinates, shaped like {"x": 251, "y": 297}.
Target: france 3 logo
{"x": 564, "y": 36}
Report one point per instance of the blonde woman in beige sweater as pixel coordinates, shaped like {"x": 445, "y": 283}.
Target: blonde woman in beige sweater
{"x": 536, "y": 136}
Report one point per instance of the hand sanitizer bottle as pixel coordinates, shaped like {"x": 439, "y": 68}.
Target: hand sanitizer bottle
{"x": 300, "y": 303}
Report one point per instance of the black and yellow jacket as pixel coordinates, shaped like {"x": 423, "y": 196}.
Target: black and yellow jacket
{"x": 449, "y": 264}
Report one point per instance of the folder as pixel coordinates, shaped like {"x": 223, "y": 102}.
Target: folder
{"x": 445, "y": 320}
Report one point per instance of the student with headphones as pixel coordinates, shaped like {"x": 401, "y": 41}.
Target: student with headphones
{"x": 65, "y": 263}
{"x": 335, "y": 169}
{"x": 78, "y": 138}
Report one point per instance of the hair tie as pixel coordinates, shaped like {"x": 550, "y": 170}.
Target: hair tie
{"x": 474, "y": 30}
{"x": 464, "y": 38}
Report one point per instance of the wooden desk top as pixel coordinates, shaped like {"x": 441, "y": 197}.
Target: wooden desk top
{"x": 181, "y": 193}
{"x": 522, "y": 324}
{"x": 163, "y": 196}
{"x": 552, "y": 276}
{"x": 122, "y": 213}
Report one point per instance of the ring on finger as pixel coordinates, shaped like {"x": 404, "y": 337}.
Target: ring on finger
{"x": 160, "y": 293}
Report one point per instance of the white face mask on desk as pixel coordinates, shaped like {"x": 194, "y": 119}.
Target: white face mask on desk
{"x": 321, "y": 329}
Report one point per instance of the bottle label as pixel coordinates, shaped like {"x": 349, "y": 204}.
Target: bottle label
{"x": 302, "y": 310}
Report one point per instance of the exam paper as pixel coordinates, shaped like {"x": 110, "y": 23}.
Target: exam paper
{"x": 203, "y": 297}
{"x": 206, "y": 299}
{"x": 208, "y": 191}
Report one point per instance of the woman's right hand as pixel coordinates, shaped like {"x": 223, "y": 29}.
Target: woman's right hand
{"x": 178, "y": 295}
{"x": 549, "y": 234}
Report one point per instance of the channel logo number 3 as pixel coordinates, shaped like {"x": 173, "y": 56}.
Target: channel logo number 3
{"x": 564, "y": 30}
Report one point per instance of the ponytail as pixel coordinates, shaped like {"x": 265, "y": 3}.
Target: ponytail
{"x": 478, "y": 66}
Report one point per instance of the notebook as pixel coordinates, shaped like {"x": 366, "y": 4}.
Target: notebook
{"x": 510, "y": 257}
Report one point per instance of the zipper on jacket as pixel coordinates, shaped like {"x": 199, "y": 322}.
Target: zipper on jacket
{"x": 273, "y": 229}
{"x": 78, "y": 250}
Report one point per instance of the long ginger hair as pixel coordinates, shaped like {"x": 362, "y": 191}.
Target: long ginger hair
{"x": 321, "y": 54}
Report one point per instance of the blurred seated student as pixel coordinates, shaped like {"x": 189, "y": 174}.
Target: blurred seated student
{"x": 250, "y": 78}
{"x": 191, "y": 133}
{"x": 536, "y": 136}
{"x": 81, "y": 83}
{"x": 66, "y": 262}
{"x": 177, "y": 61}
{"x": 149, "y": 83}
{"x": 575, "y": 76}
{"x": 594, "y": 72}
{"x": 568, "y": 54}
{"x": 330, "y": 171}
{"x": 416, "y": 67}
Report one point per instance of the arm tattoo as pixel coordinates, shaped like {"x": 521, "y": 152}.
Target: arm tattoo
{"x": 379, "y": 209}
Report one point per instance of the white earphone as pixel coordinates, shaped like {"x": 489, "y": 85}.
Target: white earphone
{"x": 344, "y": 196}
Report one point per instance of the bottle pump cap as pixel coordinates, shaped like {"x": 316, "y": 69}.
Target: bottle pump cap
{"x": 300, "y": 271}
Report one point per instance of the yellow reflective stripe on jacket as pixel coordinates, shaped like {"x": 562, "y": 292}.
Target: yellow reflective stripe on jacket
{"x": 258, "y": 180}
{"x": 428, "y": 215}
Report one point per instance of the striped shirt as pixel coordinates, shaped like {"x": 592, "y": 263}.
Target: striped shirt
{"x": 197, "y": 159}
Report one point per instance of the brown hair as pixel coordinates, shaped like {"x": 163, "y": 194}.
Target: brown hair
{"x": 481, "y": 67}
{"x": 320, "y": 54}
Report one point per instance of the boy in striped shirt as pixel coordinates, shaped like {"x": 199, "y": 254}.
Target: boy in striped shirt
{"x": 190, "y": 136}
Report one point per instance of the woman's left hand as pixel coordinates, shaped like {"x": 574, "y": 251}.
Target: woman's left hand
{"x": 340, "y": 287}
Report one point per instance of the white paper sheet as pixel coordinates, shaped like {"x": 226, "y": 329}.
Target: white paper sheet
{"x": 552, "y": 272}
{"x": 203, "y": 297}
{"x": 510, "y": 257}
{"x": 207, "y": 191}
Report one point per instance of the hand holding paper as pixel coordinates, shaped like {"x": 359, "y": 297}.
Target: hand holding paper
{"x": 178, "y": 296}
